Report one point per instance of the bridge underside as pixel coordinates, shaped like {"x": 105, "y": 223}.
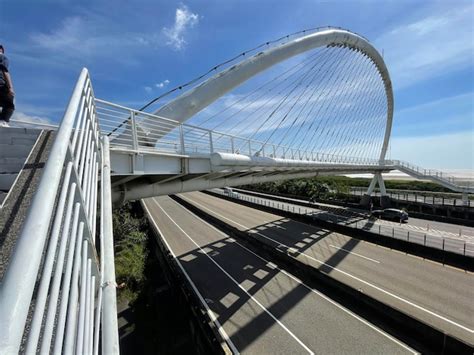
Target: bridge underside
{"x": 136, "y": 176}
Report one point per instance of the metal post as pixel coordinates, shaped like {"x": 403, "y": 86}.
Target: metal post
{"x": 211, "y": 146}
{"x": 110, "y": 341}
{"x": 232, "y": 144}
{"x": 134, "y": 131}
{"x": 181, "y": 140}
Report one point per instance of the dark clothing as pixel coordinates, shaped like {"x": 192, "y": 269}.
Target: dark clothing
{"x": 6, "y": 103}
{"x": 4, "y": 64}
{"x": 6, "y": 99}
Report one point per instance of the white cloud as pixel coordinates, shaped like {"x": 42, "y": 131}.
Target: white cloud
{"x": 442, "y": 151}
{"x": 162, "y": 84}
{"x": 184, "y": 20}
{"x": 429, "y": 46}
{"x": 22, "y": 119}
{"x": 85, "y": 38}
{"x": 448, "y": 114}
{"x": 148, "y": 89}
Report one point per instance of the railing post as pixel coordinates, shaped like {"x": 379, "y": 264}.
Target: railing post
{"x": 181, "y": 139}
{"x": 110, "y": 341}
{"x": 134, "y": 131}
{"x": 211, "y": 146}
{"x": 250, "y": 148}
{"x": 232, "y": 144}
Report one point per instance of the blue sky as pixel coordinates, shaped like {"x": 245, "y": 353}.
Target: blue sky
{"x": 136, "y": 50}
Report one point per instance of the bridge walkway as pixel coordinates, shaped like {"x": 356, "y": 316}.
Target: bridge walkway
{"x": 18, "y": 197}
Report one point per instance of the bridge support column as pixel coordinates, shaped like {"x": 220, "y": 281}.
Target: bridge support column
{"x": 384, "y": 199}
{"x": 366, "y": 198}
{"x": 465, "y": 199}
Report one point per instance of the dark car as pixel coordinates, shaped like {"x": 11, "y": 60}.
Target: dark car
{"x": 391, "y": 214}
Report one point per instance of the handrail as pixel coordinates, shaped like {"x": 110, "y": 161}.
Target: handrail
{"x": 189, "y": 139}
{"x": 432, "y": 173}
{"x": 59, "y": 233}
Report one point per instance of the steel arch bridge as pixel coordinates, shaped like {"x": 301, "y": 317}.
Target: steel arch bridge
{"x": 321, "y": 102}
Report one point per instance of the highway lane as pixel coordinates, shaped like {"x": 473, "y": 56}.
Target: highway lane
{"x": 459, "y": 244}
{"x": 441, "y": 296}
{"x": 258, "y": 307}
{"x": 415, "y": 224}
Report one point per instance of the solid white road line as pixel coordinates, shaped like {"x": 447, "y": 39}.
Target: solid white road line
{"x": 272, "y": 222}
{"x": 237, "y": 283}
{"x": 346, "y": 273}
{"x": 370, "y": 325}
{"x": 351, "y": 252}
{"x": 209, "y": 312}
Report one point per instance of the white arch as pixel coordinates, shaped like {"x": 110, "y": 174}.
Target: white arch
{"x": 196, "y": 99}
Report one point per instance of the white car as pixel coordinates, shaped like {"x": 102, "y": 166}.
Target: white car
{"x": 229, "y": 192}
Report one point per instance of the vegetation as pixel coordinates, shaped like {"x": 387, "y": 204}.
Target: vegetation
{"x": 130, "y": 234}
{"x": 336, "y": 187}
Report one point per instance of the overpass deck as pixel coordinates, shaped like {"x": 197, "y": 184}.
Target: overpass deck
{"x": 258, "y": 307}
{"x": 435, "y": 294}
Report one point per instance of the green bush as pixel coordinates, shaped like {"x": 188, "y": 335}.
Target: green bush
{"x": 130, "y": 234}
{"x": 336, "y": 187}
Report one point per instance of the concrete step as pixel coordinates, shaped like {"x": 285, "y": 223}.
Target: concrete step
{"x": 13, "y": 168}
{"x": 3, "y": 194}
{"x": 13, "y": 135}
{"x": 12, "y": 160}
{"x": 6, "y": 181}
{"x": 15, "y": 207}
{"x": 18, "y": 131}
{"x": 20, "y": 150}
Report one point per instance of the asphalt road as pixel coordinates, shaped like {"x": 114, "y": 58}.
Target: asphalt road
{"x": 459, "y": 243}
{"x": 439, "y": 295}
{"x": 258, "y": 307}
{"x": 415, "y": 224}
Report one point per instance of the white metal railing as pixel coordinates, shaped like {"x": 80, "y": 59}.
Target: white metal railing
{"x": 428, "y": 197}
{"x": 432, "y": 173}
{"x": 459, "y": 245}
{"x": 125, "y": 128}
{"x": 60, "y": 282}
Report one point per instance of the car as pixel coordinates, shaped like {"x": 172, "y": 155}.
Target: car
{"x": 392, "y": 214}
{"x": 229, "y": 192}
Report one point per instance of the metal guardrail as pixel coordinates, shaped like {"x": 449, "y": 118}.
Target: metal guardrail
{"x": 457, "y": 246}
{"x": 126, "y": 129}
{"x": 58, "y": 291}
{"x": 432, "y": 173}
{"x": 427, "y": 197}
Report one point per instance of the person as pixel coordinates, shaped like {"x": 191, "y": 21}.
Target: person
{"x": 7, "y": 93}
